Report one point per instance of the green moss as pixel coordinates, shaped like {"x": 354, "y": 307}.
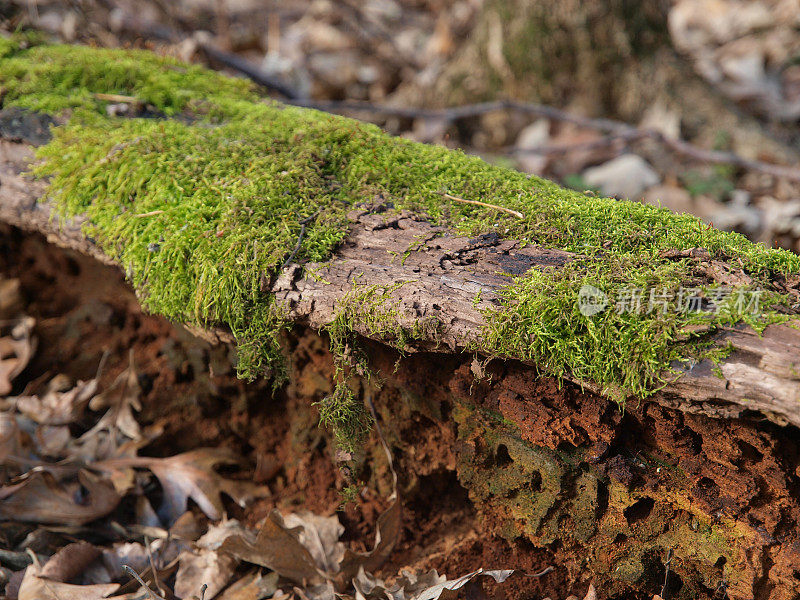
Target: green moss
{"x": 203, "y": 208}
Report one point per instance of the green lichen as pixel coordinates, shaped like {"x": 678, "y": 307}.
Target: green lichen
{"x": 561, "y": 495}
{"x": 204, "y": 207}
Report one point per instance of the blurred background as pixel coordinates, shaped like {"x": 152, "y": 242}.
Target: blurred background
{"x": 684, "y": 103}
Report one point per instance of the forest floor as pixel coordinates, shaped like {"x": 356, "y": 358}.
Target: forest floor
{"x": 94, "y": 380}
{"x": 103, "y": 384}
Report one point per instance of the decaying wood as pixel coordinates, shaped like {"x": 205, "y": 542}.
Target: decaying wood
{"x": 434, "y": 278}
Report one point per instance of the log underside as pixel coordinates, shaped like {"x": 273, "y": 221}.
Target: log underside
{"x": 561, "y": 472}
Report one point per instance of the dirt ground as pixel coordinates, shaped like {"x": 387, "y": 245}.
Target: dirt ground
{"x": 464, "y": 504}
{"x": 504, "y": 471}
{"x": 87, "y": 315}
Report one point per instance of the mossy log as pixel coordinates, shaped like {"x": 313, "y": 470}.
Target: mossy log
{"x": 244, "y": 217}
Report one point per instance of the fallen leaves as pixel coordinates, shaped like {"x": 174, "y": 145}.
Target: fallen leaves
{"x": 192, "y": 475}
{"x": 278, "y": 547}
{"x": 39, "y": 498}
{"x": 17, "y": 346}
{"x": 69, "y": 453}
{"x": 34, "y": 587}
{"x": 62, "y": 472}
{"x": 58, "y": 407}
{"x": 426, "y": 586}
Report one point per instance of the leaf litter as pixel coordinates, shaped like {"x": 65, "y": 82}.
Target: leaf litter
{"x": 65, "y": 473}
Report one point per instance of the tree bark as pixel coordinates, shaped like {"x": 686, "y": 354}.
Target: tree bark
{"x": 447, "y": 285}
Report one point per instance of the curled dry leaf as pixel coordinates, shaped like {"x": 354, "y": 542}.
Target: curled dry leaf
{"x": 425, "y": 586}
{"x": 252, "y": 587}
{"x": 56, "y": 407}
{"x": 386, "y": 535}
{"x": 277, "y": 547}
{"x": 70, "y": 561}
{"x": 40, "y": 498}
{"x": 17, "y": 346}
{"x": 320, "y": 536}
{"x": 192, "y": 475}
{"x": 204, "y": 565}
{"x": 36, "y": 587}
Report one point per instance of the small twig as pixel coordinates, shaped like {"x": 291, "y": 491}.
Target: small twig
{"x": 617, "y": 129}
{"x": 135, "y": 575}
{"x": 152, "y": 565}
{"x": 663, "y": 593}
{"x": 34, "y": 559}
{"x": 118, "y": 98}
{"x": 303, "y": 224}
{"x": 385, "y": 445}
{"x": 152, "y": 213}
{"x": 603, "y": 142}
{"x": 517, "y": 214}
{"x": 541, "y": 573}
{"x": 245, "y": 67}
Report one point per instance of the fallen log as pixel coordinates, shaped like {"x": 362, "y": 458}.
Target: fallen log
{"x": 242, "y": 216}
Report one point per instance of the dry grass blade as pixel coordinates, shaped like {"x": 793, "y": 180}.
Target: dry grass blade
{"x": 515, "y": 213}
{"x": 150, "y": 593}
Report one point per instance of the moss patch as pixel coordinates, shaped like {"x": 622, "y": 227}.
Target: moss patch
{"x": 204, "y": 207}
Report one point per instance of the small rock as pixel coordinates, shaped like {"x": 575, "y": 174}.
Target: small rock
{"x": 582, "y": 153}
{"x": 675, "y": 198}
{"x": 626, "y": 176}
{"x": 746, "y": 66}
{"x": 661, "y": 118}
{"x": 533, "y": 136}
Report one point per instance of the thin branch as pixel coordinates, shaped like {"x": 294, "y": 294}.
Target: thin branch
{"x": 237, "y": 63}
{"x": 303, "y": 224}
{"x": 541, "y": 573}
{"x": 517, "y": 214}
{"x": 152, "y": 213}
{"x": 117, "y": 98}
{"x": 152, "y": 595}
{"x": 152, "y": 565}
{"x": 615, "y": 129}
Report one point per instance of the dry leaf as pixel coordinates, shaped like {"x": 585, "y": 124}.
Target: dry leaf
{"x": 320, "y": 536}
{"x": 591, "y": 593}
{"x": 252, "y": 587}
{"x": 70, "y": 561}
{"x": 9, "y": 436}
{"x": 39, "y": 498}
{"x": 192, "y": 475}
{"x": 56, "y": 407}
{"x": 52, "y": 440}
{"x": 16, "y": 349}
{"x": 116, "y": 433}
{"x": 10, "y": 298}
{"x": 386, "y": 535}
{"x": 425, "y": 586}
{"x": 278, "y": 548}
{"x": 203, "y": 567}
{"x": 34, "y": 587}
